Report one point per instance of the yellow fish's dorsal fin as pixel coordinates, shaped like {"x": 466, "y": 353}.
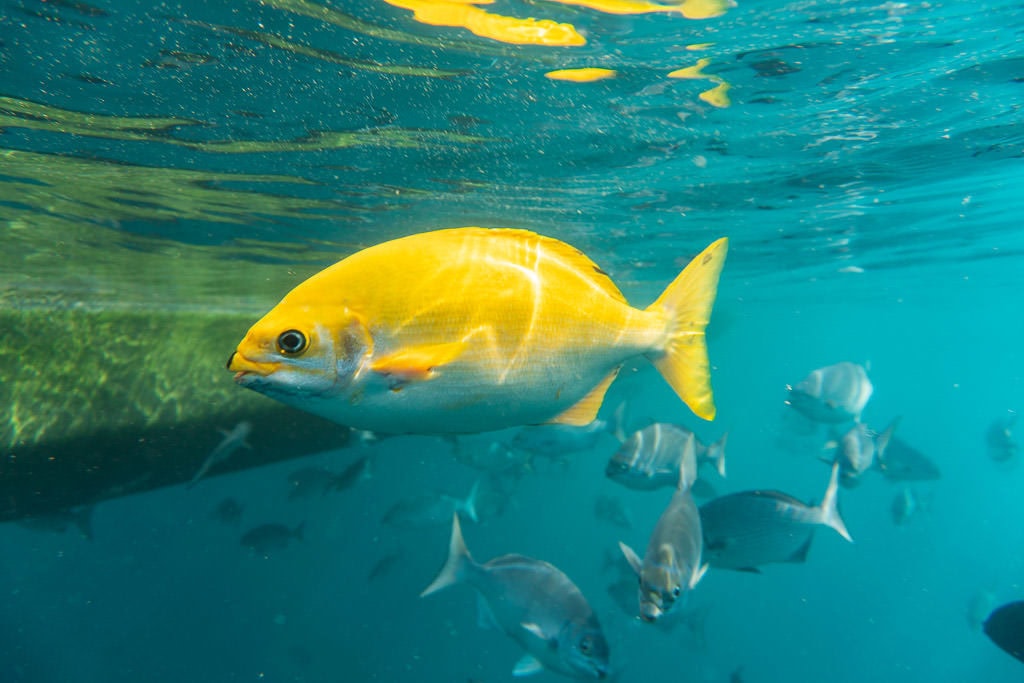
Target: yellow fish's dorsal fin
{"x": 568, "y": 255}
{"x": 416, "y": 363}
{"x": 584, "y": 411}
{"x": 687, "y": 305}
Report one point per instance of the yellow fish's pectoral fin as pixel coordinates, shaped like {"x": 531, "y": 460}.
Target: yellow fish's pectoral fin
{"x": 686, "y": 304}
{"x": 584, "y": 411}
{"x": 416, "y": 363}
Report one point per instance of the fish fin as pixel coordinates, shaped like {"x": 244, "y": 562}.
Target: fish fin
{"x": 416, "y": 363}
{"x": 800, "y": 556}
{"x": 698, "y": 575}
{"x": 535, "y": 629}
{"x": 565, "y": 253}
{"x": 829, "y": 508}
{"x": 485, "y": 618}
{"x": 469, "y": 505}
{"x": 584, "y": 411}
{"x": 527, "y": 666}
{"x": 749, "y": 570}
{"x": 297, "y": 532}
{"x": 882, "y": 440}
{"x": 455, "y": 566}
{"x": 687, "y": 304}
{"x": 634, "y": 560}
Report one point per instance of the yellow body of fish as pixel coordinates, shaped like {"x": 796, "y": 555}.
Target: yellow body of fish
{"x": 470, "y": 330}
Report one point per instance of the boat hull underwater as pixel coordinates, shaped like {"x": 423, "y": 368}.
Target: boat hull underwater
{"x": 101, "y": 404}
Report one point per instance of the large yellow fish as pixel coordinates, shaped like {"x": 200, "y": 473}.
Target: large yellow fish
{"x": 471, "y": 329}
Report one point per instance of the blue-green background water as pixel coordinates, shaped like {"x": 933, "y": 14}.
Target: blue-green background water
{"x": 868, "y": 173}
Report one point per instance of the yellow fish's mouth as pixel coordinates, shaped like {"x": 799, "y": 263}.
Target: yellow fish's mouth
{"x": 243, "y": 367}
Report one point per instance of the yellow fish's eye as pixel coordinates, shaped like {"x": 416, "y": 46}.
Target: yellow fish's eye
{"x": 291, "y": 343}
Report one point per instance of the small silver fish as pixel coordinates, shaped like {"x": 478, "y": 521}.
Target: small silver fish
{"x": 858, "y": 449}
{"x": 536, "y": 605}
{"x": 653, "y": 457}
{"x": 496, "y": 458}
{"x": 358, "y": 471}
{"x": 905, "y": 506}
{"x": 431, "y": 509}
{"x": 745, "y": 530}
{"x": 672, "y": 563}
{"x": 232, "y": 441}
{"x": 903, "y": 462}
{"x": 611, "y": 509}
{"x": 999, "y": 437}
{"x": 833, "y": 394}
{"x": 228, "y": 511}
{"x": 385, "y": 565}
{"x": 309, "y": 481}
{"x": 321, "y": 480}
{"x": 269, "y": 538}
{"x": 555, "y": 440}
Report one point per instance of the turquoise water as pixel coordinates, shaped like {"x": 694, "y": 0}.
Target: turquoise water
{"x": 208, "y": 157}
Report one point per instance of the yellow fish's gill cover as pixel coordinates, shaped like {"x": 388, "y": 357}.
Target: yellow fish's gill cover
{"x": 470, "y": 329}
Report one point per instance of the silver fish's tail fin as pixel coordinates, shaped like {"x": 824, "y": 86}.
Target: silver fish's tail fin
{"x": 883, "y": 439}
{"x": 455, "y": 567}
{"x": 299, "y": 530}
{"x": 716, "y": 454}
{"x": 686, "y": 304}
{"x": 468, "y": 506}
{"x": 829, "y": 508}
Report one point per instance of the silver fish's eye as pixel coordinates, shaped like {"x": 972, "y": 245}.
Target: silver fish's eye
{"x": 291, "y": 343}
{"x": 676, "y": 592}
{"x": 586, "y": 645}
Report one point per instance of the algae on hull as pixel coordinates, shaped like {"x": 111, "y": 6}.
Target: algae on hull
{"x": 98, "y": 404}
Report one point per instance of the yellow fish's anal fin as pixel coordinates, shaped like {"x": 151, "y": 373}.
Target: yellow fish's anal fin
{"x": 416, "y": 363}
{"x": 687, "y": 304}
{"x": 584, "y": 411}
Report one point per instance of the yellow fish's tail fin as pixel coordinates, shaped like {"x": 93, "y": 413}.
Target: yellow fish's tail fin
{"x": 687, "y": 303}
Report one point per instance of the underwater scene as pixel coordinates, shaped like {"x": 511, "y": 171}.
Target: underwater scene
{"x": 480, "y": 340}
